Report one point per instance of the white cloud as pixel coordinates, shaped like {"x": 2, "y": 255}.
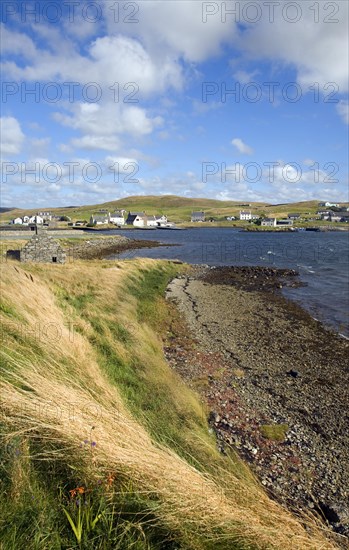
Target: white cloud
{"x": 11, "y": 136}
{"x": 318, "y": 50}
{"x": 343, "y": 110}
{"x": 176, "y": 29}
{"x": 102, "y": 125}
{"x": 242, "y": 147}
{"x": 245, "y": 77}
{"x": 16, "y": 43}
{"x": 110, "y": 61}
{"x": 91, "y": 142}
{"x": 121, "y": 165}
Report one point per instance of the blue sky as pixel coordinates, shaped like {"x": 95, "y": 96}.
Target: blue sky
{"x": 227, "y": 100}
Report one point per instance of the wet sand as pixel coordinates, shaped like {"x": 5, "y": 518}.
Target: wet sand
{"x": 259, "y": 360}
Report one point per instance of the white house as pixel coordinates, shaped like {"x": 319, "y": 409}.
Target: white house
{"x": 117, "y": 218}
{"x": 36, "y": 219}
{"x": 25, "y": 219}
{"x": 245, "y": 215}
{"x": 138, "y": 219}
{"x": 156, "y": 221}
{"x": 269, "y": 222}
{"x": 17, "y": 221}
{"x": 328, "y": 204}
{"x": 335, "y": 217}
{"x": 198, "y": 216}
{"x": 99, "y": 219}
{"x": 151, "y": 221}
{"x": 161, "y": 220}
{"x": 47, "y": 216}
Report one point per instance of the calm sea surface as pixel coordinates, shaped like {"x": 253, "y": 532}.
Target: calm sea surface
{"x": 322, "y": 260}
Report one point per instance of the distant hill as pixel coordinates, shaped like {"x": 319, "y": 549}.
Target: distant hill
{"x": 3, "y": 209}
{"x": 178, "y": 209}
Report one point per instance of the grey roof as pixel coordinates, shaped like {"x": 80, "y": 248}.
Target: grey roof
{"x": 198, "y": 214}
{"x": 99, "y": 218}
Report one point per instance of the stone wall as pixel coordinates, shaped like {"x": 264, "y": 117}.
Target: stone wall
{"x": 43, "y": 249}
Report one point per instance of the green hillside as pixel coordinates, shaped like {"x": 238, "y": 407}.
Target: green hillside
{"x": 178, "y": 209}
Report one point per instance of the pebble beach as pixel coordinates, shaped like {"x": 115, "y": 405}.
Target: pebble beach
{"x": 275, "y": 382}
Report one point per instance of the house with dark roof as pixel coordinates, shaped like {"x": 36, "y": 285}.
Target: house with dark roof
{"x": 137, "y": 219}
{"x": 294, "y": 216}
{"x": 198, "y": 216}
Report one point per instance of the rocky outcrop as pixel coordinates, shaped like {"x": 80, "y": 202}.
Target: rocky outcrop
{"x": 101, "y": 248}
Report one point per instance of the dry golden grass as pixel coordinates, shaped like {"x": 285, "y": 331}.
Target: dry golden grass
{"x": 57, "y": 390}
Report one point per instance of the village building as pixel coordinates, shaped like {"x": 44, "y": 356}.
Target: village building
{"x": 137, "y": 219}
{"x": 245, "y": 215}
{"x": 294, "y": 216}
{"x": 151, "y": 221}
{"x": 156, "y": 221}
{"x": 38, "y": 220}
{"x": 269, "y": 222}
{"x": 47, "y": 216}
{"x": 198, "y": 216}
{"x": 328, "y": 204}
{"x": 99, "y": 219}
{"x": 117, "y": 217}
{"x": 335, "y": 216}
{"x": 42, "y": 249}
{"x": 161, "y": 220}
{"x": 284, "y": 223}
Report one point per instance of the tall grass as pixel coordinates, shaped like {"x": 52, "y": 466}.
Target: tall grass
{"x": 97, "y": 409}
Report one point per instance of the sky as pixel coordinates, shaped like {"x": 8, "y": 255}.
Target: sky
{"x": 233, "y": 100}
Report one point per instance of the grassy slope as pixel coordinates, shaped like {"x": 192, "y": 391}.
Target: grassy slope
{"x": 178, "y": 209}
{"x": 88, "y": 401}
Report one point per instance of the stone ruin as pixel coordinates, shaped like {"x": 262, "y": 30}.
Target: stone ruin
{"x": 44, "y": 249}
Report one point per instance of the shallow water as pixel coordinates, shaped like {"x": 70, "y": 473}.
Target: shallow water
{"x": 322, "y": 260}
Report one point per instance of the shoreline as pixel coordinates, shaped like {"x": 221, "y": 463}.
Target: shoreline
{"x": 99, "y": 249}
{"x": 275, "y": 381}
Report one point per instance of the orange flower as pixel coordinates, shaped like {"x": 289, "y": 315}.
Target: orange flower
{"x": 110, "y": 480}
{"x": 78, "y": 490}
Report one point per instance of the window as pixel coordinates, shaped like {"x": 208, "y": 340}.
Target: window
{"x": 54, "y": 259}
